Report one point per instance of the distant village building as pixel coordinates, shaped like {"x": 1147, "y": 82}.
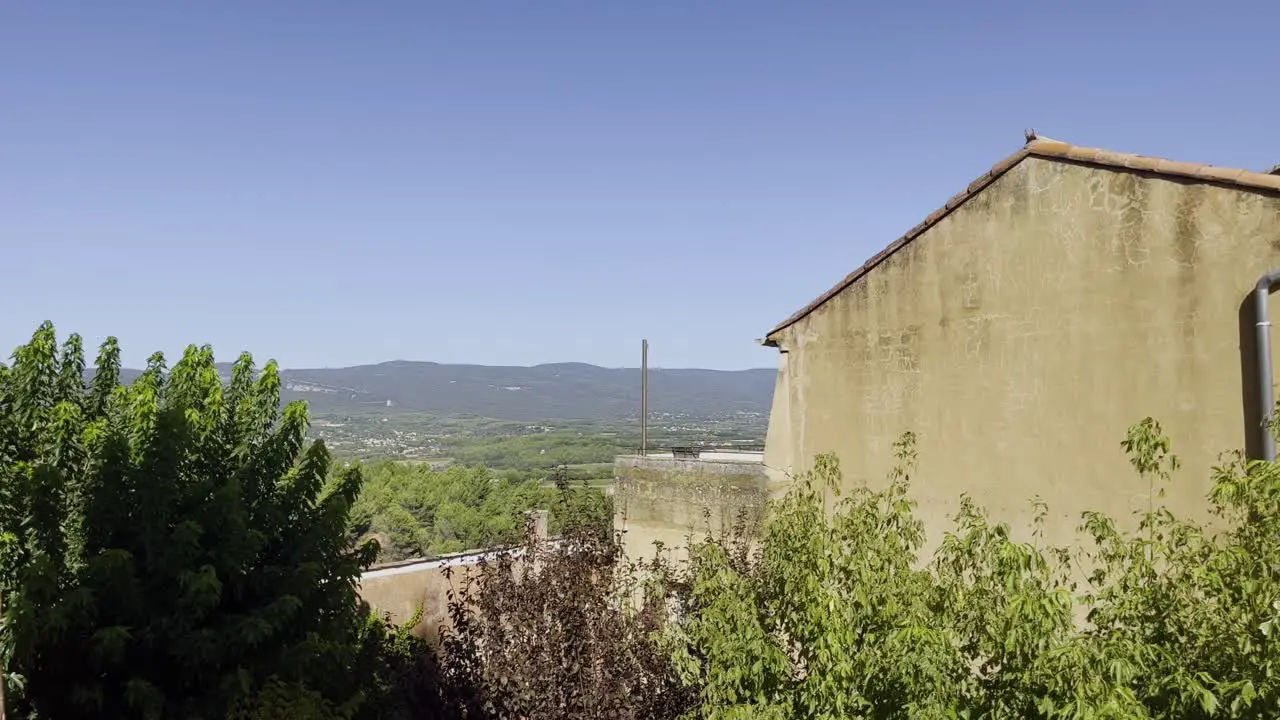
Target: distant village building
{"x": 1021, "y": 328}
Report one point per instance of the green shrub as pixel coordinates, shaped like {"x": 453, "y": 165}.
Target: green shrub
{"x": 546, "y": 631}
{"x": 831, "y": 614}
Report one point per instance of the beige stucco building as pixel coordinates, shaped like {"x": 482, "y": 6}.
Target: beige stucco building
{"x": 1019, "y": 330}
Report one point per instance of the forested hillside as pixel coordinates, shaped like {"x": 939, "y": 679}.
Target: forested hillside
{"x": 562, "y": 391}
{"x": 542, "y": 392}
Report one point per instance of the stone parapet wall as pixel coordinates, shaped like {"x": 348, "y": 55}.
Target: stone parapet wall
{"x": 401, "y": 588}
{"x": 666, "y": 499}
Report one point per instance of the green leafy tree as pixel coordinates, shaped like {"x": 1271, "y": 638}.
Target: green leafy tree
{"x": 170, "y": 547}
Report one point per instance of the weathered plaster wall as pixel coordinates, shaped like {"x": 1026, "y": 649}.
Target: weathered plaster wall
{"x": 401, "y": 594}
{"x": 1021, "y": 335}
{"x": 778, "y": 449}
{"x": 399, "y": 589}
{"x": 663, "y": 499}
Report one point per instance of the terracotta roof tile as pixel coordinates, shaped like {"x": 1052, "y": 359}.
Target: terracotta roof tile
{"x": 1173, "y": 167}
{"x": 1058, "y": 150}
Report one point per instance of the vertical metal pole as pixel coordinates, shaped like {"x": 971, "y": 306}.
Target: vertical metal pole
{"x": 644, "y": 397}
{"x": 1266, "y": 391}
{"x": 1, "y": 667}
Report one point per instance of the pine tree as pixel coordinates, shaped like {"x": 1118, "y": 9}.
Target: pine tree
{"x": 170, "y": 547}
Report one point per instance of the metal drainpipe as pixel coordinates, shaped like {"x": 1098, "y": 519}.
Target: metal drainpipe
{"x": 1266, "y": 393}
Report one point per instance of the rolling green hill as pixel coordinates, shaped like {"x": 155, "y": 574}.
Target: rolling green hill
{"x": 562, "y": 391}
{"x": 559, "y": 391}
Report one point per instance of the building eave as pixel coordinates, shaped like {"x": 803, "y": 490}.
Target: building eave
{"x": 1052, "y": 150}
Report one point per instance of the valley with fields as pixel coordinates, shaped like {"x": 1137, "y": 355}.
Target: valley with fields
{"x": 526, "y": 418}
{"x": 454, "y": 471}
{"x": 453, "y": 454}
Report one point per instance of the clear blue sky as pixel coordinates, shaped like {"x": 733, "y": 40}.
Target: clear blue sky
{"x": 332, "y": 182}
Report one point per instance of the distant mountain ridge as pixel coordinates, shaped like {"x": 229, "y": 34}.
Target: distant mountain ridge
{"x": 558, "y": 391}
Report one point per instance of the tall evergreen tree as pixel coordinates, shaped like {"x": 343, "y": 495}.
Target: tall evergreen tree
{"x": 169, "y": 547}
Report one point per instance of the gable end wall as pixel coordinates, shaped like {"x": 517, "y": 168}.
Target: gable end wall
{"x": 1023, "y": 333}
